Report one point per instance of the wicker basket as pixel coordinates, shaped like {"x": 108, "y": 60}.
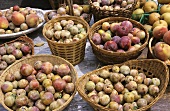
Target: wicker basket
{"x": 88, "y": 19}
{"x": 109, "y": 57}
{"x": 31, "y": 60}
{"x": 22, "y": 39}
{"x": 73, "y": 52}
{"x": 147, "y": 66}
{"x": 100, "y": 14}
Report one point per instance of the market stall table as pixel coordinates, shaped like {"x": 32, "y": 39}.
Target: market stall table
{"x": 89, "y": 63}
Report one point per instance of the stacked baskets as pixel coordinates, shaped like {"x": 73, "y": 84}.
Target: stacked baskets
{"x": 73, "y": 52}
{"x": 146, "y": 66}
{"x": 110, "y": 57}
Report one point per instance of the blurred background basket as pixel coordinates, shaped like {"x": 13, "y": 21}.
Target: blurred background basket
{"x": 22, "y": 39}
{"x": 99, "y": 13}
{"x": 31, "y": 60}
{"x": 110, "y": 57}
{"x": 73, "y": 52}
{"x": 146, "y": 66}
{"x": 64, "y": 3}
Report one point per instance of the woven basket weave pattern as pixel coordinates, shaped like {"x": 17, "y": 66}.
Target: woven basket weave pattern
{"x": 73, "y": 52}
{"x": 146, "y": 66}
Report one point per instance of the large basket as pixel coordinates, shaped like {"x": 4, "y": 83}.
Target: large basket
{"x": 73, "y": 52}
{"x": 100, "y": 14}
{"x": 147, "y": 66}
{"x": 31, "y": 60}
{"x": 109, "y": 57}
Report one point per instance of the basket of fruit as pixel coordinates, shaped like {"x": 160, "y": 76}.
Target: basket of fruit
{"x": 82, "y": 11}
{"x": 159, "y": 45}
{"x": 112, "y": 8}
{"x": 15, "y": 50}
{"x": 66, "y": 37}
{"x": 117, "y": 39}
{"x": 18, "y": 21}
{"x": 132, "y": 85}
{"x": 40, "y": 82}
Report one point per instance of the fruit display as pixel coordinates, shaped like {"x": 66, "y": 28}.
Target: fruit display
{"x": 66, "y": 31}
{"x": 119, "y": 36}
{"x": 15, "y": 50}
{"x": 39, "y": 84}
{"x": 144, "y": 6}
{"x": 113, "y": 4}
{"x": 82, "y": 11}
{"x": 17, "y": 19}
{"x": 122, "y": 87}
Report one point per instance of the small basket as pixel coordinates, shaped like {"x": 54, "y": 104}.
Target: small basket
{"x": 73, "y": 52}
{"x": 31, "y": 60}
{"x": 110, "y": 57}
{"x": 22, "y": 39}
{"x": 146, "y": 66}
{"x": 100, "y": 14}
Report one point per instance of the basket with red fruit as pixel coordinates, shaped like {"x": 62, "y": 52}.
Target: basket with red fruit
{"x": 117, "y": 39}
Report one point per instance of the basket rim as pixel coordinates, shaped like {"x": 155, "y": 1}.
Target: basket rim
{"x": 40, "y": 55}
{"x": 112, "y": 52}
{"x": 69, "y": 18}
{"x": 83, "y": 95}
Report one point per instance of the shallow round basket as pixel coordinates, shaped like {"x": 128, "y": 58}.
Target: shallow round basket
{"x": 73, "y": 52}
{"x": 146, "y": 66}
{"x": 98, "y": 13}
{"x": 31, "y": 60}
{"x": 110, "y": 57}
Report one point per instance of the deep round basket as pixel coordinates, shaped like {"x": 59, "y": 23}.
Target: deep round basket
{"x": 74, "y": 51}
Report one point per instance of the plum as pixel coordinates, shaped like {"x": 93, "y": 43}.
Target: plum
{"x": 115, "y": 97}
{"x": 34, "y": 95}
{"x": 21, "y": 92}
{"x": 47, "y": 82}
{"x": 106, "y": 37}
{"x": 26, "y": 49}
{"x": 37, "y": 65}
{"x": 59, "y": 84}
{"x": 22, "y": 83}
{"x": 46, "y": 67}
{"x": 142, "y": 102}
{"x": 50, "y": 89}
{"x": 107, "y": 88}
{"x": 10, "y": 49}
{"x": 66, "y": 97}
{"x": 69, "y": 88}
{"x": 125, "y": 42}
{"x": 3, "y": 50}
{"x": 10, "y": 77}
{"x": 47, "y": 98}
{"x": 115, "y": 68}
{"x": 153, "y": 90}
{"x": 104, "y": 73}
{"x": 63, "y": 70}
{"x": 54, "y": 105}
{"x": 90, "y": 85}
{"x": 21, "y": 101}
{"x": 17, "y": 53}
{"x": 124, "y": 69}
{"x": 97, "y": 39}
{"x": 94, "y": 98}
{"x": 132, "y": 85}
{"x": 147, "y": 81}
{"x": 99, "y": 86}
{"x": 134, "y": 72}
{"x": 127, "y": 107}
{"x": 95, "y": 78}
{"x": 116, "y": 39}
{"x": 113, "y": 105}
{"x": 138, "y": 79}
{"x": 119, "y": 87}
{"x": 17, "y": 75}
{"x": 41, "y": 76}
{"x": 156, "y": 81}
{"x": 7, "y": 86}
{"x": 129, "y": 97}
{"x": 114, "y": 77}
{"x": 9, "y": 101}
{"x": 26, "y": 69}
{"x": 128, "y": 79}
{"x": 34, "y": 84}
{"x": 111, "y": 46}
{"x": 40, "y": 105}
{"x": 136, "y": 95}
{"x": 142, "y": 89}
{"x": 104, "y": 100}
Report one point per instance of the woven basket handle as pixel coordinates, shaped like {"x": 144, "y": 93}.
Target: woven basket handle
{"x": 70, "y": 5}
